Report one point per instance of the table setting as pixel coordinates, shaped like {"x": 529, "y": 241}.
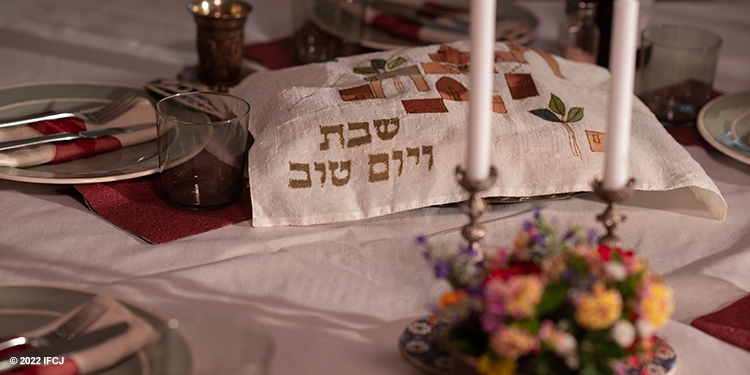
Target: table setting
{"x": 375, "y": 187}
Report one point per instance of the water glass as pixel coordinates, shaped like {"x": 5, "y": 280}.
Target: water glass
{"x": 202, "y": 139}
{"x": 226, "y": 345}
{"x": 326, "y": 29}
{"x": 676, "y": 71}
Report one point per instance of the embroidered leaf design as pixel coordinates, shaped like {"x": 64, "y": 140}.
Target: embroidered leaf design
{"x": 575, "y": 114}
{"x": 396, "y": 62}
{"x": 545, "y": 114}
{"x": 367, "y": 70}
{"x": 378, "y": 63}
{"x": 556, "y": 105}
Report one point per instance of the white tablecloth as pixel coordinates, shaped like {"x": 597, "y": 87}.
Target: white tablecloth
{"x": 335, "y": 297}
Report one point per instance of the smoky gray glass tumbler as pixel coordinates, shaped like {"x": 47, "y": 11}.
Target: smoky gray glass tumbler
{"x": 202, "y": 139}
{"x": 676, "y": 71}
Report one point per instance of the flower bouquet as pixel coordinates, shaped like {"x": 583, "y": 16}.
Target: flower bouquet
{"x": 552, "y": 303}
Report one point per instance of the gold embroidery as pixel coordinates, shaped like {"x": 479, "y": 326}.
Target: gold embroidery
{"x": 331, "y": 129}
{"x": 300, "y": 183}
{"x": 378, "y": 176}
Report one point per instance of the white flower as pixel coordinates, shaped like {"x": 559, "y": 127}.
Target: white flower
{"x": 616, "y": 270}
{"x": 645, "y": 329}
{"x": 623, "y": 333}
{"x": 565, "y": 344}
{"x": 572, "y": 362}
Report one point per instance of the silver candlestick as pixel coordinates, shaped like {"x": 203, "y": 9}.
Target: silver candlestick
{"x": 475, "y": 206}
{"x": 612, "y": 217}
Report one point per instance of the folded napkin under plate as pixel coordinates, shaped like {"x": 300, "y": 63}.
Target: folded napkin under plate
{"x": 90, "y": 360}
{"x": 142, "y": 113}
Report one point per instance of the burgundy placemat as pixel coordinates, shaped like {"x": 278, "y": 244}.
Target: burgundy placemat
{"x": 137, "y": 206}
{"x": 274, "y": 55}
{"x": 731, "y": 324}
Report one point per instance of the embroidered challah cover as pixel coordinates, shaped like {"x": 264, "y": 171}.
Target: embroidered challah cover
{"x": 378, "y": 133}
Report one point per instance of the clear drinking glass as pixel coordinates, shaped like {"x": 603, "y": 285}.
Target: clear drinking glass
{"x": 676, "y": 71}
{"x": 326, "y": 29}
{"x": 202, "y": 139}
{"x": 225, "y": 345}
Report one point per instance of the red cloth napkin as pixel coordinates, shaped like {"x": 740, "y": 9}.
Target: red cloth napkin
{"x": 137, "y": 206}
{"x": 141, "y": 114}
{"x": 731, "y": 324}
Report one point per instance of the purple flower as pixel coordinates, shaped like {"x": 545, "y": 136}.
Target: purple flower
{"x": 537, "y": 213}
{"x": 489, "y": 323}
{"x": 539, "y": 241}
{"x": 466, "y": 250}
{"x": 568, "y": 274}
{"x": 593, "y": 236}
{"x": 441, "y": 269}
{"x": 422, "y": 240}
{"x": 527, "y": 225}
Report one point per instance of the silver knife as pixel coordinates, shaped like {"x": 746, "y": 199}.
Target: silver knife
{"x": 60, "y": 348}
{"x": 60, "y": 137}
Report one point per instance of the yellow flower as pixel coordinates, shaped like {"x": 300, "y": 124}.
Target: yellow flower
{"x": 656, "y": 304}
{"x": 526, "y": 294}
{"x": 599, "y": 309}
{"x": 451, "y": 298}
{"x": 498, "y": 366}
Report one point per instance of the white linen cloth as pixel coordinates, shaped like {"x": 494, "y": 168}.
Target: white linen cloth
{"x": 359, "y": 138}
{"x": 142, "y": 113}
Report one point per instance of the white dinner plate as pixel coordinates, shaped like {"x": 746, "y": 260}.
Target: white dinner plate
{"x": 126, "y": 163}
{"x": 24, "y": 307}
{"x": 724, "y": 122}
{"x": 379, "y": 39}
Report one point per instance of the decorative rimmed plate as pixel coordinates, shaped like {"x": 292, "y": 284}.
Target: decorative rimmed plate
{"x": 724, "y": 122}
{"x": 126, "y": 163}
{"x": 24, "y": 307}
{"x": 378, "y": 39}
{"x": 419, "y": 344}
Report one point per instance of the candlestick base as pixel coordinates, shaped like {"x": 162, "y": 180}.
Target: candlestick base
{"x": 612, "y": 217}
{"x": 475, "y": 206}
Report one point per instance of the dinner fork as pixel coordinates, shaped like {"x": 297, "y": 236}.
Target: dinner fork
{"x": 101, "y": 115}
{"x": 75, "y": 324}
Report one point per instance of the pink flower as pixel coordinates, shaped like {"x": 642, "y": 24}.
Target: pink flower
{"x": 517, "y": 296}
{"x": 512, "y": 342}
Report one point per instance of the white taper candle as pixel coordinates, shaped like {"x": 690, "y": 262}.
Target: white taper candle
{"x": 622, "y": 68}
{"x": 482, "y": 60}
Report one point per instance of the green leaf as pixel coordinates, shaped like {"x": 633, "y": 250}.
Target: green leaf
{"x": 545, "y": 114}
{"x": 377, "y": 63}
{"x": 468, "y": 337}
{"x": 553, "y": 297}
{"x": 396, "y": 62}
{"x": 575, "y": 114}
{"x": 367, "y": 70}
{"x": 556, "y": 105}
